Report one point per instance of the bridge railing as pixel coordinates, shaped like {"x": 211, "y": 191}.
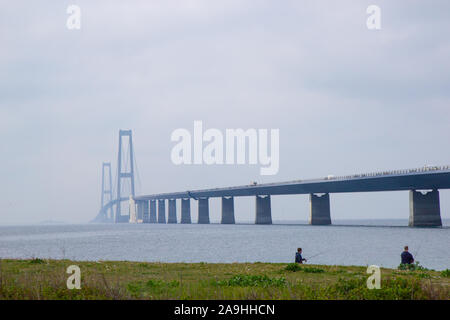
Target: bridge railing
{"x": 387, "y": 173}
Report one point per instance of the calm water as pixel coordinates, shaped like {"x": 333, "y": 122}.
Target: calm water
{"x": 338, "y": 244}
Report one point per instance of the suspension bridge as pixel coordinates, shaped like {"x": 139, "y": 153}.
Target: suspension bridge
{"x": 422, "y": 183}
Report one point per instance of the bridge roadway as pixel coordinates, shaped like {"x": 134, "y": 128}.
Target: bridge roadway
{"x": 424, "y": 206}
{"x": 403, "y": 180}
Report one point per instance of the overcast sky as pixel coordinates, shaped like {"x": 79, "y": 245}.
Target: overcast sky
{"x": 345, "y": 99}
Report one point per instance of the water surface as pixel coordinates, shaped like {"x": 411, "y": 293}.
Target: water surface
{"x": 343, "y": 244}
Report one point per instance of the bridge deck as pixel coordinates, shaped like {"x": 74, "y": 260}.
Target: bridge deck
{"x": 411, "y": 179}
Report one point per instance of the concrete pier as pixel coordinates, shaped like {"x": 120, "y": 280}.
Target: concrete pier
{"x": 185, "y": 210}
{"x": 172, "y": 211}
{"x": 133, "y": 209}
{"x": 424, "y": 209}
{"x": 228, "y": 210}
{"x": 319, "y": 209}
{"x": 263, "y": 210}
{"x": 161, "y": 211}
{"x": 145, "y": 212}
{"x": 140, "y": 210}
{"x": 152, "y": 218}
{"x": 203, "y": 210}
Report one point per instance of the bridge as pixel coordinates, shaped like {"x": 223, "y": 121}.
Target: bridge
{"x": 423, "y": 185}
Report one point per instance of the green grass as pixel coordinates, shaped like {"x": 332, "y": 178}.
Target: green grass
{"x": 253, "y": 281}
{"x": 46, "y": 279}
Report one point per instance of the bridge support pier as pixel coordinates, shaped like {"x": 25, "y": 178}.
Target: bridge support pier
{"x": 203, "y": 210}
{"x": 139, "y": 210}
{"x": 161, "y": 211}
{"x": 424, "y": 209}
{"x": 263, "y": 210}
{"x": 228, "y": 210}
{"x": 145, "y": 212}
{"x": 152, "y": 218}
{"x": 172, "y": 211}
{"x": 185, "y": 210}
{"x": 319, "y": 209}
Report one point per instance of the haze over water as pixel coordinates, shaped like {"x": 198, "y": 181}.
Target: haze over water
{"x": 345, "y": 243}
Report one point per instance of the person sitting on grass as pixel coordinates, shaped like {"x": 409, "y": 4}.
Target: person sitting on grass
{"x": 298, "y": 256}
{"x": 407, "y": 258}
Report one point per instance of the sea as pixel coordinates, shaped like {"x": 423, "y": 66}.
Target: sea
{"x": 346, "y": 242}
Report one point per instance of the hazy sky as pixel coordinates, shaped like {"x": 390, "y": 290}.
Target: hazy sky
{"x": 345, "y": 99}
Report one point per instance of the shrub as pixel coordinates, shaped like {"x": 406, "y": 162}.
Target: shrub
{"x": 446, "y": 273}
{"x": 312, "y": 270}
{"x": 144, "y": 265}
{"x": 390, "y": 289}
{"x": 424, "y": 275}
{"x": 413, "y": 267}
{"x": 297, "y": 267}
{"x": 36, "y": 261}
{"x": 293, "y": 267}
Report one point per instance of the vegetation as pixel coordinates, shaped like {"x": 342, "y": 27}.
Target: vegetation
{"x": 298, "y": 267}
{"x": 413, "y": 266}
{"x": 253, "y": 281}
{"x": 36, "y": 261}
{"x": 46, "y": 279}
{"x": 446, "y": 273}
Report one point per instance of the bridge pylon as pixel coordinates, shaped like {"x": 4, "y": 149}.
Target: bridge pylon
{"x": 106, "y": 192}
{"x": 123, "y": 175}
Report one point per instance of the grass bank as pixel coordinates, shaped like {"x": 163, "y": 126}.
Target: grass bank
{"x": 46, "y": 279}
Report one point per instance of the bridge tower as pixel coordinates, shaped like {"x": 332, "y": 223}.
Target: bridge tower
{"x": 123, "y": 175}
{"x": 106, "y": 191}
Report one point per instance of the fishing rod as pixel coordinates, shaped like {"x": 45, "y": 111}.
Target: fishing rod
{"x": 416, "y": 253}
{"x": 318, "y": 254}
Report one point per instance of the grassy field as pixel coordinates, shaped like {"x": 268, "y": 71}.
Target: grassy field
{"x": 46, "y": 279}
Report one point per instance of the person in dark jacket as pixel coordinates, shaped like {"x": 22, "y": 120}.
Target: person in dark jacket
{"x": 407, "y": 258}
{"x": 298, "y": 256}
